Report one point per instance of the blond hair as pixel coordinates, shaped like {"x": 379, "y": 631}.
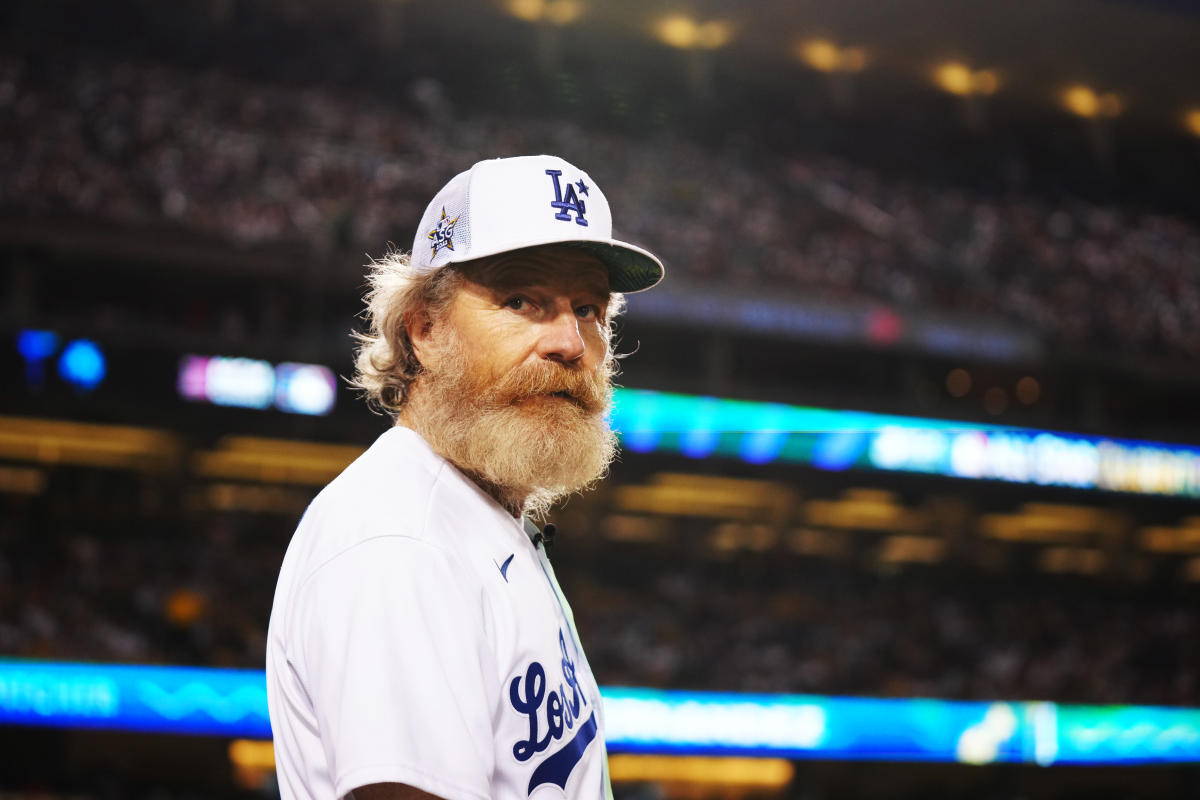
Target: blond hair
{"x": 385, "y": 362}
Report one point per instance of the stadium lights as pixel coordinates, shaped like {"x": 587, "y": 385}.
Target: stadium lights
{"x": 252, "y": 753}
{"x": 728, "y": 772}
{"x": 864, "y": 509}
{"x": 706, "y": 771}
{"x": 686, "y": 33}
{"x": 911, "y": 550}
{"x": 555, "y": 12}
{"x": 275, "y": 460}
{"x": 82, "y": 444}
{"x": 957, "y": 78}
{"x": 1072, "y": 560}
{"x": 825, "y": 56}
{"x": 839, "y": 64}
{"x": 1164, "y": 539}
{"x": 1191, "y": 121}
{"x": 22, "y": 480}
{"x": 697, "y": 41}
{"x": 1050, "y": 522}
{"x": 706, "y": 496}
{"x": 1083, "y": 101}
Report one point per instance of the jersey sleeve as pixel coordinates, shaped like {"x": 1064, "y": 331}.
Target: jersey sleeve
{"x": 395, "y": 659}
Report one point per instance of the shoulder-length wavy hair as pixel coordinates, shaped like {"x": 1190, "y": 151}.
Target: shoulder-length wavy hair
{"x": 385, "y": 363}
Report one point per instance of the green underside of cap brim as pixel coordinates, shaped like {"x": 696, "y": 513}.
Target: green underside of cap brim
{"x": 628, "y": 270}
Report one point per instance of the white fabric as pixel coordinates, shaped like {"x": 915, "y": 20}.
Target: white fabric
{"x": 402, "y": 647}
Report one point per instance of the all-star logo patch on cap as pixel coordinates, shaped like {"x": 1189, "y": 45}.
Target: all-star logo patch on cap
{"x": 512, "y": 203}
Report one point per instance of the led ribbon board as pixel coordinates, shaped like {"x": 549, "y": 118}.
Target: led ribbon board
{"x": 761, "y": 433}
{"x": 223, "y": 702}
{"x": 233, "y": 703}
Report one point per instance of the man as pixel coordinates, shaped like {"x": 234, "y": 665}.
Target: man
{"x": 419, "y": 644}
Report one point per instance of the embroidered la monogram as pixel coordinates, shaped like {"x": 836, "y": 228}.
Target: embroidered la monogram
{"x": 570, "y": 202}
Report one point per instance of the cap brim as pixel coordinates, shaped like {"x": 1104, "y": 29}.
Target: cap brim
{"x": 630, "y": 268}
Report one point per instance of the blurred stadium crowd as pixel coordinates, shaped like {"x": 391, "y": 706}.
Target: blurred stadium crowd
{"x": 321, "y": 171}
{"x": 106, "y": 568}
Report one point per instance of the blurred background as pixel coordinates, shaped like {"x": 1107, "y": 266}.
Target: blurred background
{"x": 907, "y": 504}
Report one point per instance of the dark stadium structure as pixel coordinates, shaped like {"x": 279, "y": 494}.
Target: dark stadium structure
{"x": 208, "y": 179}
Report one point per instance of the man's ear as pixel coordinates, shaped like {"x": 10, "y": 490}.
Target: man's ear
{"x": 419, "y": 327}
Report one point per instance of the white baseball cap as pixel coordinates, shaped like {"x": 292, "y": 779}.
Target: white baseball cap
{"x": 508, "y": 204}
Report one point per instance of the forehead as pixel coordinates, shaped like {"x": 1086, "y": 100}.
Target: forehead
{"x": 557, "y": 267}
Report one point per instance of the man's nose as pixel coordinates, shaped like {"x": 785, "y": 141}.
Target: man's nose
{"x": 561, "y": 340}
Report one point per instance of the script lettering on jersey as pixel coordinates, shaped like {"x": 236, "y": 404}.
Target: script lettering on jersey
{"x": 570, "y": 201}
{"x": 559, "y": 709}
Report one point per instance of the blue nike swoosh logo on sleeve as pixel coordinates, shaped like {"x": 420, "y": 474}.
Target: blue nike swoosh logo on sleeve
{"x": 504, "y": 567}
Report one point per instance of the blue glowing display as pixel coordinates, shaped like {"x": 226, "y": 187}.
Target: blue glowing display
{"x": 227, "y": 702}
{"x": 761, "y": 433}
{"x": 36, "y": 345}
{"x": 83, "y": 364}
{"x": 233, "y": 703}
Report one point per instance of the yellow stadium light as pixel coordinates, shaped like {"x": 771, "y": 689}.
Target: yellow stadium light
{"x": 706, "y": 496}
{"x": 1163, "y": 539}
{"x": 556, "y": 12}
{"x": 685, "y": 33}
{"x": 957, "y": 78}
{"x": 911, "y": 550}
{"x": 825, "y": 56}
{"x": 1191, "y": 121}
{"x": 1081, "y": 101}
{"x": 677, "y": 30}
{"x": 758, "y": 773}
{"x": 22, "y": 480}
{"x": 185, "y": 606}
{"x": 528, "y": 10}
{"x": 820, "y": 54}
{"x": 954, "y": 77}
{"x": 714, "y": 34}
{"x": 564, "y": 12}
{"x": 65, "y": 442}
{"x": 274, "y": 460}
{"x": 1076, "y": 560}
{"x": 252, "y": 753}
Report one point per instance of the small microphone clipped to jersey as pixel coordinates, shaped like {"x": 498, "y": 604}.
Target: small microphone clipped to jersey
{"x": 546, "y": 536}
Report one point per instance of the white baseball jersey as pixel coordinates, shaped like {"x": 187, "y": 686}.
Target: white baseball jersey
{"x": 419, "y": 636}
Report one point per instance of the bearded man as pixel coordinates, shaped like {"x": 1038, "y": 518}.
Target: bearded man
{"x": 419, "y": 644}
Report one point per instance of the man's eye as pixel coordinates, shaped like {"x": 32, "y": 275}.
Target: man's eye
{"x": 515, "y": 303}
{"x": 587, "y": 312}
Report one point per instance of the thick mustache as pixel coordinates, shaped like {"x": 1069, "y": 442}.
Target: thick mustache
{"x": 587, "y": 389}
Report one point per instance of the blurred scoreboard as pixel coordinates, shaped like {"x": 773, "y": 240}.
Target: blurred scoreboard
{"x": 763, "y": 433}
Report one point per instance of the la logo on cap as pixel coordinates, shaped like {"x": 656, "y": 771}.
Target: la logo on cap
{"x": 571, "y": 201}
